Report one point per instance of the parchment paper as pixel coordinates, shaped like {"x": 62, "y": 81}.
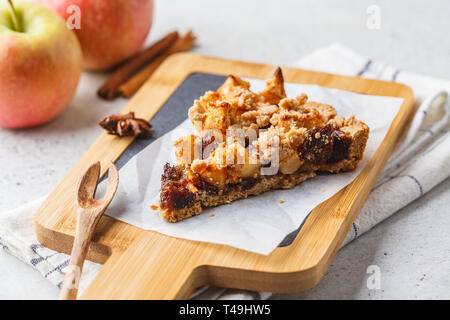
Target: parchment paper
{"x": 257, "y": 224}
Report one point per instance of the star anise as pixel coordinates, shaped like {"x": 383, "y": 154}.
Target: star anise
{"x": 124, "y": 125}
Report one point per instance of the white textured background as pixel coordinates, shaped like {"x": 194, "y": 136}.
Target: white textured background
{"x": 412, "y": 248}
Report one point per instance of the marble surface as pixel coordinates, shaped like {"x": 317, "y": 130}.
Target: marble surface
{"x": 411, "y": 248}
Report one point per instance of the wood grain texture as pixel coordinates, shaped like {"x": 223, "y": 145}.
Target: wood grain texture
{"x": 89, "y": 212}
{"x": 147, "y": 265}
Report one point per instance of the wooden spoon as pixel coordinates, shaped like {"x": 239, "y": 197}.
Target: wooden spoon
{"x": 89, "y": 213}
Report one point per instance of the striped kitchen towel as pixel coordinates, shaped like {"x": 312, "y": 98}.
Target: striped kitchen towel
{"x": 420, "y": 161}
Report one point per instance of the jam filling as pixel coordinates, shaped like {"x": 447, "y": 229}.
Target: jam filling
{"x": 175, "y": 197}
{"x": 174, "y": 192}
{"x": 325, "y": 145}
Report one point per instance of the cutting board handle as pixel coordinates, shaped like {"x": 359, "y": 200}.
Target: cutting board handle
{"x": 148, "y": 269}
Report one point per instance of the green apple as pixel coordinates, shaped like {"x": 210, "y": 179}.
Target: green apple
{"x": 40, "y": 64}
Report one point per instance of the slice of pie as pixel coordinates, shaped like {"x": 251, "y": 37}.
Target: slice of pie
{"x": 248, "y": 143}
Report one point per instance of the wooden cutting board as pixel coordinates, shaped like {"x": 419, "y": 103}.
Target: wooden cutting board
{"x": 141, "y": 264}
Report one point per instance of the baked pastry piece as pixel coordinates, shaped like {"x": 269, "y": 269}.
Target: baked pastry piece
{"x": 248, "y": 143}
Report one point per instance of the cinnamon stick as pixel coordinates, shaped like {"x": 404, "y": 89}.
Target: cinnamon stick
{"x": 131, "y": 86}
{"x": 109, "y": 89}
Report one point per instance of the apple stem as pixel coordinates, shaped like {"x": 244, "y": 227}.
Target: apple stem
{"x": 15, "y": 21}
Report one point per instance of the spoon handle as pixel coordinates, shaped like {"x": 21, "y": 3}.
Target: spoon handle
{"x": 86, "y": 223}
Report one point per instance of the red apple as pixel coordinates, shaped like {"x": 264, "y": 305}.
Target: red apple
{"x": 40, "y": 65}
{"x": 109, "y": 30}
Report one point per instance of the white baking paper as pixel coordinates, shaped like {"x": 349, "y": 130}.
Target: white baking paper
{"x": 257, "y": 224}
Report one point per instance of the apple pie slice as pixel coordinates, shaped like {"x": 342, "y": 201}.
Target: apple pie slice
{"x": 248, "y": 143}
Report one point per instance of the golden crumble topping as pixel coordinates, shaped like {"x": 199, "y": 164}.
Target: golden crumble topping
{"x": 234, "y": 107}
